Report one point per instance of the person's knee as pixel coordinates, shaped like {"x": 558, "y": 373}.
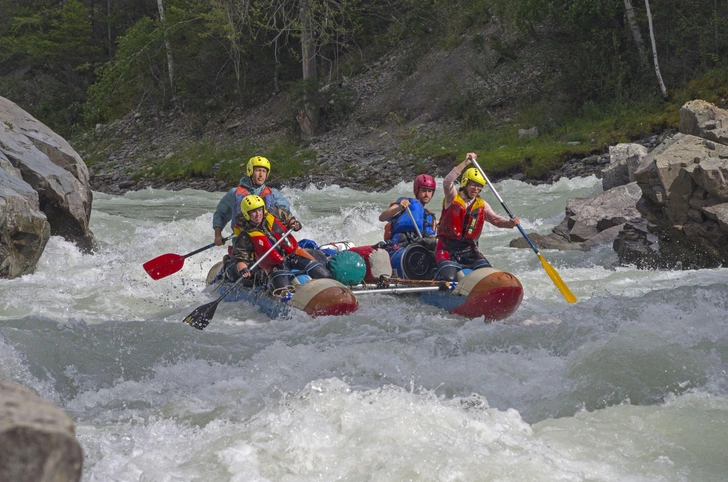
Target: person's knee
{"x": 280, "y": 279}
{"x": 447, "y": 271}
{"x": 233, "y": 274}
{"x": 231, "y": 271}
{"x": 481, "y": 263}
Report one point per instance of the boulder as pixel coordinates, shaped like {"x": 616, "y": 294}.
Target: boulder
{"x": 703, "y": 119}
{"x": 685, "y": 190}
{"x": 24, "y": 229}
{"x": 590, "y": 222}
{"x": 37, "y": 439}
{"x": 46, "y": 163}
{"x": 623, "y": 161}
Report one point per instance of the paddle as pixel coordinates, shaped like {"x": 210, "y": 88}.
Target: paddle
{"x": 167, "y": 264}
{"x": 565, "y": 291}
{"x": 201, "y": 317}
{"x": 417, "y": 228}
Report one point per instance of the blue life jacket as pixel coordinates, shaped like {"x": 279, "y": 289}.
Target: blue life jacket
{"x": 402, "y": 223}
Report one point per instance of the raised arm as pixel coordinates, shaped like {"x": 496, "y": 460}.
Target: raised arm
{"x": 448, "y": 185}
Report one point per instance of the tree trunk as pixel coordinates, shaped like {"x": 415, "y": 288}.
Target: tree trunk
{"x": 308, "y": 118}
{"x": 167, "y": 46}
{"x": 654, "y": 50}
{"x": 636, "y": 32}
{"x": 235, "y": 55}
{"x": 109, "y": 42}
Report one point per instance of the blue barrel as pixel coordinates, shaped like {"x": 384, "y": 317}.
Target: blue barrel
{"x": 413, "y": 262}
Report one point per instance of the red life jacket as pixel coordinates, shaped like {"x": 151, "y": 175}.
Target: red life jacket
{"x": 263, "y": 239}
{"x": 459, "y": 222}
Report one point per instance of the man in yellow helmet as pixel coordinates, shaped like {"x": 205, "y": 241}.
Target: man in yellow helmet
{"x": 463, "y": 216}
{"x": 257, "y": 171}
{"x": 259, "y": 230}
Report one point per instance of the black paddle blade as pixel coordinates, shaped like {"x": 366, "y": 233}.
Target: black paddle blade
{"x": 201, "y": 317}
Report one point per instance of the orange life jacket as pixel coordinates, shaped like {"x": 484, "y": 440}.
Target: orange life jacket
{"x": 263, "y": 239}
{"x": 460, "y": 222}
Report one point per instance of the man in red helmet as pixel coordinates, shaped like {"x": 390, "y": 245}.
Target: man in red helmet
{"x": 463, "y": 215}
{"x": 400, "y": 229}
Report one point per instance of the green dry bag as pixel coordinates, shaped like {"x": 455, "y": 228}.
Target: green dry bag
{"x": 348, "y": 268}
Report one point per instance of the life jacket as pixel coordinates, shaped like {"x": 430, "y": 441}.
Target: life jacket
{"x": 460, "y": 222}
{"x": 402, "y": 223}
{"x": 241, "y": 192}
{"x": 263, "y": 239}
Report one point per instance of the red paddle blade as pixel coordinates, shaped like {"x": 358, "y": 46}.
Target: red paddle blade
{"x": 164, "y": 265}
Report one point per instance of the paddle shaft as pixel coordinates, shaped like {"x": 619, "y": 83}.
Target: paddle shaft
{"x": 211, "y": 245}
{"x": 550, "y": 271}
{"x": 417, "y": 228}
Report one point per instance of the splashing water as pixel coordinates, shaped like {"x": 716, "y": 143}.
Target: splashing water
{"x": 628, "y": 384}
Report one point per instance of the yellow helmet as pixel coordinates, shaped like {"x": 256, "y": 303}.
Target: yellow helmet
{"x": 474, "y": 175}
{"x": 251, "y": 203}
{"x": 257, "y": 161}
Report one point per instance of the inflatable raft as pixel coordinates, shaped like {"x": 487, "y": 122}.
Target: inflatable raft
{"x": 317, "y": 297}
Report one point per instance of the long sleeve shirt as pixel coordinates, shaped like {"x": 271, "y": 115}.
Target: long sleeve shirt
{"x": 226, "y": 207}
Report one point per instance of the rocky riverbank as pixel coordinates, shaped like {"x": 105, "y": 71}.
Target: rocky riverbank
{"x": 337, "y": 152}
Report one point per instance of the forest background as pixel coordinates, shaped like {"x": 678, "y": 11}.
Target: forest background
{"x": 585, "y": 73}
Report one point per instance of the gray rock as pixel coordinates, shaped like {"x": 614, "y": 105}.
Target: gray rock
{"x": 24, "y": 229}
{"x": 43, "y": 160}
{"x": 591, "y": 221}
{"x": 684, "y": 182}
{"x": 623, "y": 160}
{"x": 703, "y": 119}
{"x": 37, "y": 439}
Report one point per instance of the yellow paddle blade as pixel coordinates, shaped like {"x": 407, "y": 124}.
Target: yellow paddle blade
{"x": 557, "y": 280}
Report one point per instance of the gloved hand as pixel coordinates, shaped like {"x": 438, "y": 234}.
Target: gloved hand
{"x": 245, "y": 273}
{"x": 294, "y": 224}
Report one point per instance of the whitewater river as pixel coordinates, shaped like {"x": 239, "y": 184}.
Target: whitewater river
{"x": 628, "y": 384}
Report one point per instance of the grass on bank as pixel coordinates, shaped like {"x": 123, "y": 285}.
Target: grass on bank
{"x": 228, "y": 162}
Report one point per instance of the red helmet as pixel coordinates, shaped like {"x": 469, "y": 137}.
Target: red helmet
{"x": 424, "y": 180}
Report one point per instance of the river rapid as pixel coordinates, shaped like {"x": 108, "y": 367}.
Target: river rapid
{"x": 627, "y": 384}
